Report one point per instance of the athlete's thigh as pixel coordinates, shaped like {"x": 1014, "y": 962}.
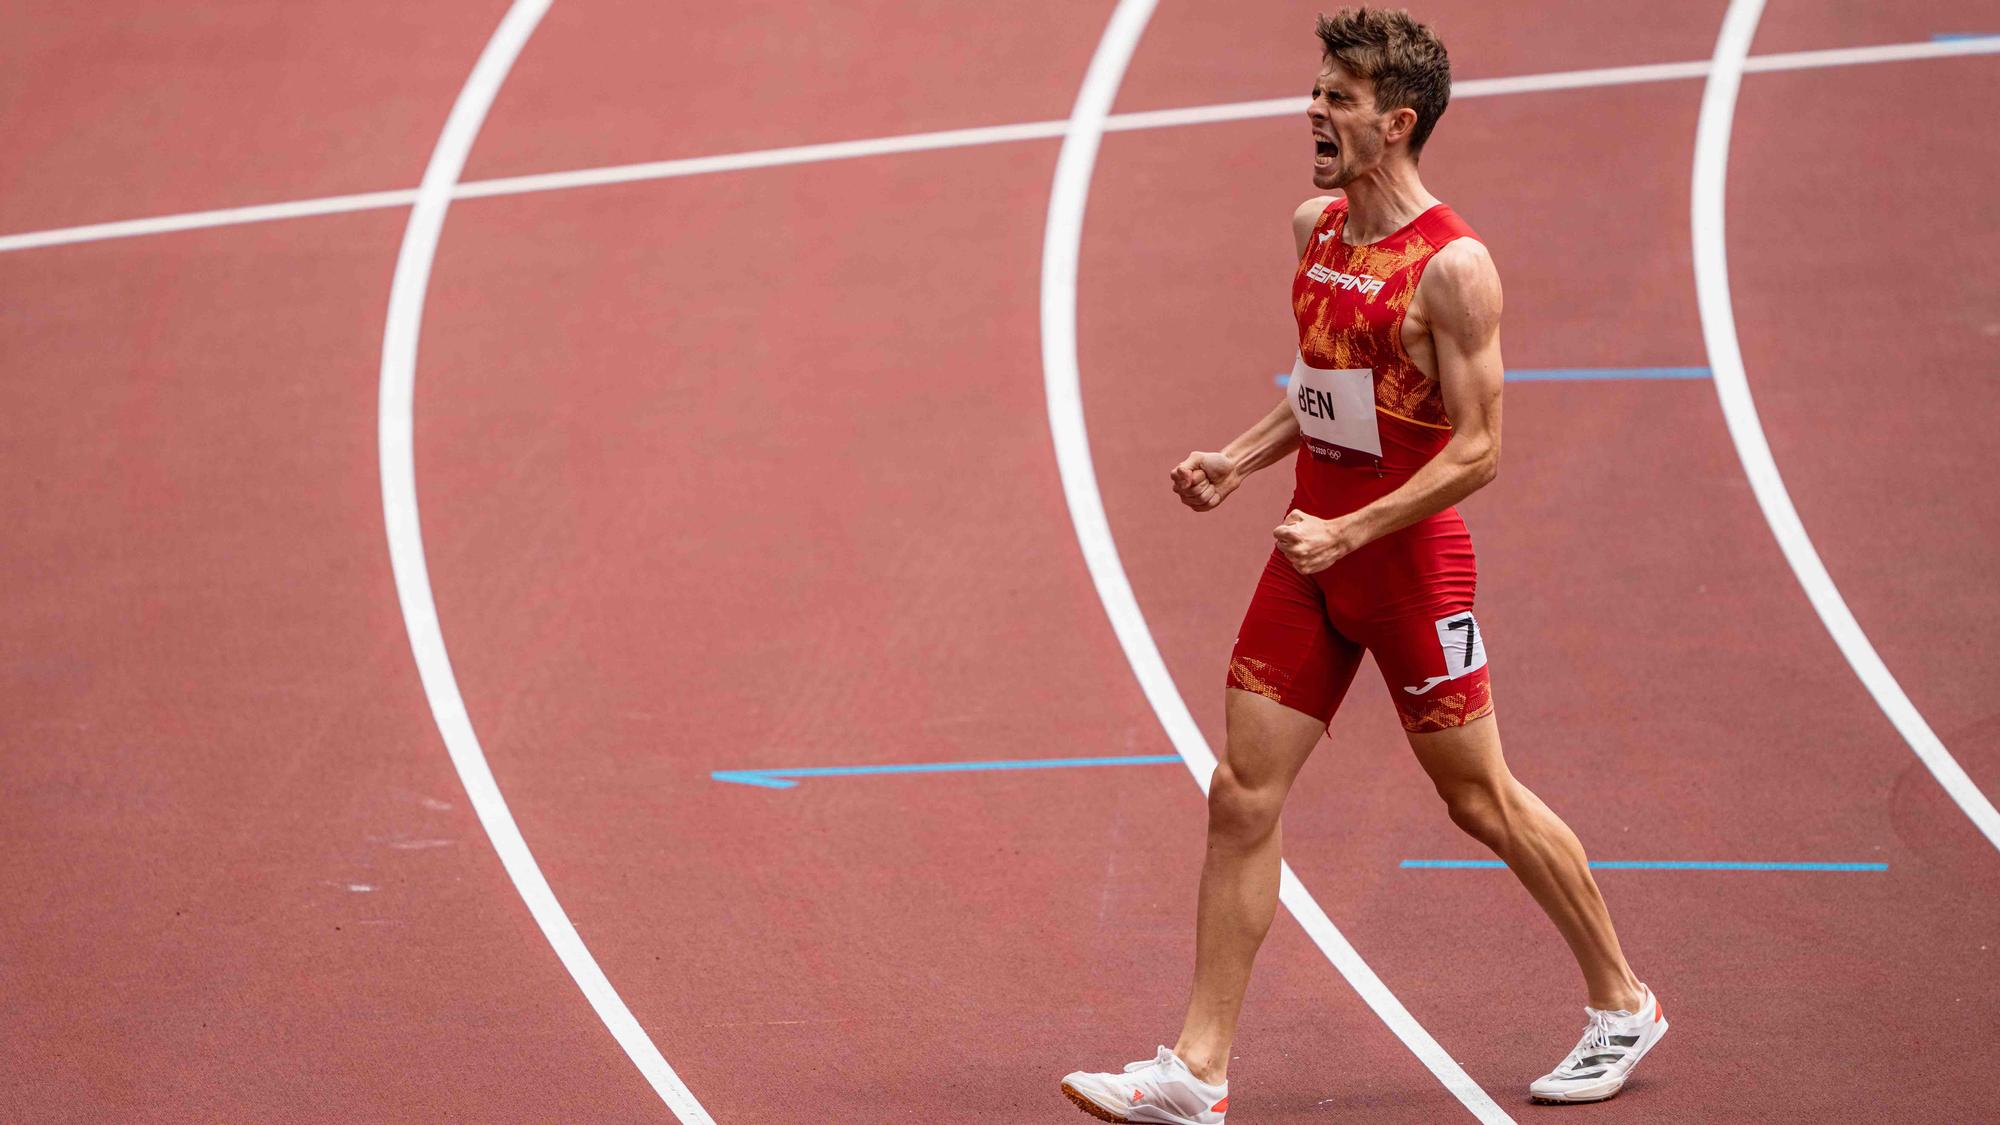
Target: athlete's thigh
{"x": 1408, "y": 597}
{"x": 1434, "y": 663}
{"x": 1451, "y": 727}
{"x": 1287, "y": 650}
{"x": 1268, "y": 741}
{"x": 1462, "y": 757}
{"x": 1288, "y": 674}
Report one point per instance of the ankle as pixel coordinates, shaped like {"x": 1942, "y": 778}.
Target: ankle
{"x": 1628, "y": 996}
{"x": 1210, "y": 1066}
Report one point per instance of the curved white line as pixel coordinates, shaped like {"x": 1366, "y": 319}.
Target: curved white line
{"x": 1732, "y": 386}
{"x": 406, "y": 553}
{"x": 1061, "y": 246}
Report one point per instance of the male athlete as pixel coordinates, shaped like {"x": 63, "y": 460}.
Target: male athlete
{"x": 1394, "y": 412}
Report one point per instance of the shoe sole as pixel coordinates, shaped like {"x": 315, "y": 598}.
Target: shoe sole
{"x": 1547, "y": 1099}
{"x": 1088, "y": 1106}
{"x": 1540, "y": 1099}
{"x": 1092, "y": 1108}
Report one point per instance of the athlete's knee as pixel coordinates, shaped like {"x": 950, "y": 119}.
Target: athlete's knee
{"x": 1478, "y": 808}
{"x": 1238, "y": 811}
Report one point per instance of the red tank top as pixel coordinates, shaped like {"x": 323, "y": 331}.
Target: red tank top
{"x": 1368, "y": 415}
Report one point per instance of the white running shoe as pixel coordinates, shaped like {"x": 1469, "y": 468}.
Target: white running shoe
{"x": 1160, "y": 1089}
{"x": 1603, "y": 1059}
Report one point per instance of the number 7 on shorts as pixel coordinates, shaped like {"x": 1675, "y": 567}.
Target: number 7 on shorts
{"x": 1463, "y": 643}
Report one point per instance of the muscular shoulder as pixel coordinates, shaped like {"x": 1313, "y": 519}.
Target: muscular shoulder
{"x": 1460, "y": 289}
{"x": 1305, "y": 218}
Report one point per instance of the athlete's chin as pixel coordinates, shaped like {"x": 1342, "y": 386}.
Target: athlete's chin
{"x": 1327, "y": 177}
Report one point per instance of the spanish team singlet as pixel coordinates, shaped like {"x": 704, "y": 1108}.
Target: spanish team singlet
{"x": 1368, "y": 415}
{"x": 1369, "y": 418}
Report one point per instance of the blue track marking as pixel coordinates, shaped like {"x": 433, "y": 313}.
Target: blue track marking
{"x": 1573, "y": 374}
{"x": 1581, "y": 374}
{"x": 789, "y": 778}
{"x": 1659, "y": 865}
{"x": 1958, "y": 36}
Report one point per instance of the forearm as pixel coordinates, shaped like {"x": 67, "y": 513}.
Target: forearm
{"x": 1464, "y": 466}
{"x": 1272, "y": 439}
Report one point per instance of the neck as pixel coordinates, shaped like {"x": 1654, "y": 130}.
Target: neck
{"x": 1382, "y": 200}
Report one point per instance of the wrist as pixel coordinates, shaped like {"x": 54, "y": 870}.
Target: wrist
{"x": 1242, "y": 462}
{"x": 1365, "y": 525}
{"x": 1229, "y": 478}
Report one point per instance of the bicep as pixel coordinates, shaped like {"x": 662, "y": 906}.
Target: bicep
{"x": 1465, "y": 338}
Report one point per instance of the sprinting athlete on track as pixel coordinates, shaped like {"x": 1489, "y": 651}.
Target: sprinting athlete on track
{"x": 1394, "y": 413}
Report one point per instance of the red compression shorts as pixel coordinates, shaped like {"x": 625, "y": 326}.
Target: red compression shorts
{"x": 1406, "y": 597}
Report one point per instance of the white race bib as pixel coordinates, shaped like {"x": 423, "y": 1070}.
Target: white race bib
{"x": 1336, "y": 409}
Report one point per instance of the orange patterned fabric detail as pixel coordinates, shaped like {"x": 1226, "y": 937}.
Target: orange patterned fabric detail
{"x": 1248, "y": 674}
{"x": 1428, "y": 716}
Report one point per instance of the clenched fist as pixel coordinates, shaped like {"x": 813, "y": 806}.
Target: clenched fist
{"x": 1205, "y": 480}
{"x": 1311, "y": 544}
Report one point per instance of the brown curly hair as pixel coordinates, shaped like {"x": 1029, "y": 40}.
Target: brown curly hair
{"x": 1404, "y": 59}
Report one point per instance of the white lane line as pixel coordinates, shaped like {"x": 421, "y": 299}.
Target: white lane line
{"x": 1880, "y": 53}
{"x": 1732, "y": 386}
{"x": 197, "y": 220}
{"x": 1466, "y": 88}
{"x": 1061, "y": 247}
{"x": 764, "y": 158}
{"x": 1571, "y": 80}
{"x": 406, "y": 553}
{"x": 959, "y": 138}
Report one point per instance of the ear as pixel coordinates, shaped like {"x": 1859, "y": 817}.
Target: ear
{"x": 1402, "y": 122}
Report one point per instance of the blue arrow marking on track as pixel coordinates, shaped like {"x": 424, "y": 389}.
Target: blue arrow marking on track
{"x": 1659, "y": 865}
{"x": 789, "y": 778}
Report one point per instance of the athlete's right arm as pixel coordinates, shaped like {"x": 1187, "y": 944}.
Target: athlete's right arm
{"x": 1205, "y": 480}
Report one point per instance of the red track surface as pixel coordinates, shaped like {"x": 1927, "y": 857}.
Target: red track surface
{"x": 753, "y": 470}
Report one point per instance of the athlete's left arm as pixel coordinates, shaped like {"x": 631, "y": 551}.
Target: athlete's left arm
{"x": 1459, "y": 301}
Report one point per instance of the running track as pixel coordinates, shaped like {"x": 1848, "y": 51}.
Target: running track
{"x": 753, "y": 469}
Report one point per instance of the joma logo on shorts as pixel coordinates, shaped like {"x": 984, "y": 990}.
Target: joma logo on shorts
{"x": 1368, "y": 286}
